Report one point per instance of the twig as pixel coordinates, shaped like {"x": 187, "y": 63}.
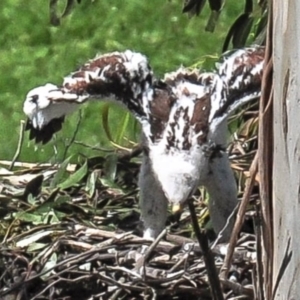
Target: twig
{"x": 141, "y": 262}
{"x": 238, "y": 289}
{"x": 74, "y": 136}
{"x": 213, "y": 278}
{"x": 96, "y": 148}
{"x": 182, "y": 260}
{"x": 154, "y": 244}
{"x": 240, "y": 218}
{"x": 232, "y": 215}
{"x": 20, "y": 143}
{"x": 53, "y": 283}
{"x": 124, "y": 286}
{"x": 19, "y": 164}
{"x": 116, "y": 294}
{"x": 74, "y": 259}
{"x": 259, "y": 266}
{"x": 266, "y": 154}
{"x": 135, "y": 151}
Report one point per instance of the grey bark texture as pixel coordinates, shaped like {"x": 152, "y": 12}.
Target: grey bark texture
{"x": 286, "y": 167}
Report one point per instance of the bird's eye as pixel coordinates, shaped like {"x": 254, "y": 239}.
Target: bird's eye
{"x": 34, "y": 98}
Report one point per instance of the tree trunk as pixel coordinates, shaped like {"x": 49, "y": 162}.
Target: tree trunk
{"x": 286, "y": 164}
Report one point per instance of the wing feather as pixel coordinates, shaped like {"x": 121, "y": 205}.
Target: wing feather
{"x": 237, "y": 81}
{"x": 122, "y": 76}
{"x": 179, "y": 109}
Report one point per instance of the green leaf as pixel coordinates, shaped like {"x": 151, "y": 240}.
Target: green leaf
{"x": 36, "y": 246}
{"x": 112, "y": 185}
{"x": 52, "y": 218}
{"x": 68, "y": 8}
{"x": 248, "y": 7}
{"x": 212, "y": 21}
{"x": 239, "y": 31}
{"x": 54, "y": 19}
{"x": 31, "y": 200}
{"x": 49, "y": 266}
{"x": 29, "y": 217}
{"x": 215, "y": 5}
{"x": 75, "y": 178}
{"x": 110, "y": 166}
{"x": 122, "y": 128}
{"x": 105, "y": 121}
{"x": 91, "y": 183}
{"x": 32, "y": 238}
{"x": 62, "y": 199}
{"x": 51, "y": 198}
{"x": 60, "y": 174}
{"x": 260, "y": 26}
{"x": 45, "y": 207}
{"x": 241, "y": 34}
{"x": 193, "y": 7}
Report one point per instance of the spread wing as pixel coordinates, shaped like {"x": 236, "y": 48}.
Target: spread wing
{"x": 198, "y": 102}
{"x": 237, "y": 80}
{"x": 124, "y": 77}
{"x": 177, "y": 112}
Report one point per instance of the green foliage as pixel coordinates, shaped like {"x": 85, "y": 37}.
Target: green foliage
{"x": 33, "y": 52}
{"x": 75, "y": 178}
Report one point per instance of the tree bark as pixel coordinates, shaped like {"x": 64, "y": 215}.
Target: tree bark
{"x": 286, "y": 164}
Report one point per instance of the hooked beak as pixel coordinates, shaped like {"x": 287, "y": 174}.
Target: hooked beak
{"x": 176, "y": 208}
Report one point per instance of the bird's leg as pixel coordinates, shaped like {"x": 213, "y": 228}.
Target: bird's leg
{"x": 222, "y": 189}
{"x": 153, "y": 202}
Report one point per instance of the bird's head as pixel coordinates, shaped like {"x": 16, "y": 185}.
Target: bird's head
{"x": 179, "y": 173}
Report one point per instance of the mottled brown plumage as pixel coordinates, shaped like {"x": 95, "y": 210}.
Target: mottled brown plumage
{"x": 183, "y": 119}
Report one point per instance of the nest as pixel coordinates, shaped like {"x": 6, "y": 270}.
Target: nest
{"x": 78, "y": 236}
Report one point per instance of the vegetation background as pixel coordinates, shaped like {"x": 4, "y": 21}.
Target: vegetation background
{"x": 32, "y": 52}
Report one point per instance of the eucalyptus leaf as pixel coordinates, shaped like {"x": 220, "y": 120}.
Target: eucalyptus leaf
{"x": 110, "y": 166}
{"x": 105, "y": 121}
{"x": 52, "y": 196}
{"x": 193, "y": 7}
{"x": 47, "y": 206}
{"x": 54, "y": 19}
{"x": 31, "y": 200}
{"x": 242, "y": 31}
{"x": 122, "y": 128}
{"x": 62, "y": 199}
{"x": 239, "y": 31}
{"x": 212, "y": 21}
{"x": 51, "y": 218}
{"x": 36, "y": 246}
{"x": 112, "y": 185}
{"x": 68, "y": 8}
{"x": 29, "y": 239}
{"x": 60, "y": 175}
{"x": 75, "y": 178}
{"x": 29, "y": 217}
{"x": 49, "y": 265}
{"x": 215, "y": 5}
{"x": 91, "y": 183}
{"x": 248, "y": 6}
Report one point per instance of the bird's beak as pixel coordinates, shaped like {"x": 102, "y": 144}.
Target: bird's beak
{"x": 176, "y": 208}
